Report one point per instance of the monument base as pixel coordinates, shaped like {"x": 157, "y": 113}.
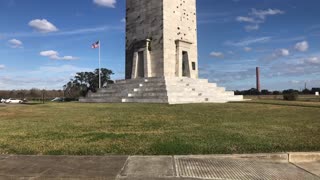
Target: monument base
{"x": 162, "y": 90}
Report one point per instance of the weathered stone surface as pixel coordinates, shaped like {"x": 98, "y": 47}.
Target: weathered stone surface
{"x": 163, "y": 90}
{"x": 162, "y": 58}
{"x": 161, "y": 31}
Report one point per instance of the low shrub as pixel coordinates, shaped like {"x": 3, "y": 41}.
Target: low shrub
{"x": 291, "y": 96}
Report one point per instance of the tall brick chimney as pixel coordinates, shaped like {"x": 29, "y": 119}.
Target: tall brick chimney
{"x": 258, "y": 79}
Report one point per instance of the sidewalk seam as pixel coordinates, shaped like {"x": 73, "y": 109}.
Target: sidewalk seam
{"x": 304, "y": 169}
{"x": 122, "y": 169}
{"x": 175, "y": 173}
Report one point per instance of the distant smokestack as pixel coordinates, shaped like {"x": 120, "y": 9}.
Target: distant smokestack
{"x": 305, "y": 85}
{"x": 258, "y": 79}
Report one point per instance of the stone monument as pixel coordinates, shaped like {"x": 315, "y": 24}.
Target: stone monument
{"x": 162, "y": 57}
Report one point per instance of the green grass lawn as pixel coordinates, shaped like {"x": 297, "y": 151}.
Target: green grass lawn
{"x": 157, "y": 129}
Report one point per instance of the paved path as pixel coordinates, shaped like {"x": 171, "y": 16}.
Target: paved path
{"x": 261, "y": 166}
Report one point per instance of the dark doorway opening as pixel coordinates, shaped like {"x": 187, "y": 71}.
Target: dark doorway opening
{"x": 185, "y": 64}
{"x": 193, "y": 66}
{"x": 141, "y": 64}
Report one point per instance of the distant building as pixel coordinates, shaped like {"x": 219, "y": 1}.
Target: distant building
{"x": 314, "y": 90}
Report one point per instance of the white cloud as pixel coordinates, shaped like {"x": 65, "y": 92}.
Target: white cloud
{"x": 313, "y": 60}
{"x": 294, "y": 81}
{"x": 252, "y": 27}
{"x": 302, "y": 46}
{"x": 247, "y": 49}
{"x": 245, "y": 19}
{"x": 298, "y": 66}
{"x": 64, "y": 33}
{"x": 106, "y": 3}
{"x": 2, "y": 66}
{"x": 15, "y": 43}
{"x": 68, "y": 58}
{"x": 43, "y": 26}
{"x": 217, "y": 54}
{"x": 248, "y": 41}
{"x": 262, "y": 14}
{"x": 123, "y": 20}
{"x": 49, "y": 53}
{"x": 281, "y": 53}
{"x": 55, "y": 55}
{"x": 257, "y": 17}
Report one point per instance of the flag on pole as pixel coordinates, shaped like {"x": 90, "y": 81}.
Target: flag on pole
{"x": 95, "y": 45}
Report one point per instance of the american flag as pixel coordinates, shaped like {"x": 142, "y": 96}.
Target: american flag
{"x": 95, "y": 45}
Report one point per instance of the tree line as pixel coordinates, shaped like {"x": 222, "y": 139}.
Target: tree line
{"x": 83, "y": 82}
{"x": 78, "y": 86}
{"x": 254, "y": 91}
{"x": 32, "y": 94}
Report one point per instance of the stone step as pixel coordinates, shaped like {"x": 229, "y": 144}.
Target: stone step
{"x": 149, "y": 94}
{"x": 163, "y": 90}
{"x": 150, "y": 89}
{"x": 119, "y": 87}
{"x": 187, "y": 80}
{"x": 144, "y": 100}
{"x": 200, "y": 102}
{"x": 201, "y": 88}
{"x": 198, "y": 90}
{"x": 107, "y": 95}
{"x": 106, "y": 90}
{"x": 196, "y": 100}
{"x": 214, "y": 93}
{"x": 182, "y": 85}
{"x": 115, "y": 87}
{"x": 235, "y": 98}
{"x": 172, "y": 94}
{"x": 101, "y": 100}
{"x": 142, "y": 80}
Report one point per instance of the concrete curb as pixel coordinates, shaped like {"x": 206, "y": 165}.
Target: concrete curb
{"x": 275, "y": 157}
{"x": 298, "y": 157}
{"x": 246, "y": 166}
{"x": 292, "y": 157}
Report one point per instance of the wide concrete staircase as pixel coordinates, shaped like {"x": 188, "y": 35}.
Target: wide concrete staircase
{"x": 162, "y": 90}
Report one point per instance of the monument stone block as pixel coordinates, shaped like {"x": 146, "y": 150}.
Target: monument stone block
{"x": 162, "y": 58}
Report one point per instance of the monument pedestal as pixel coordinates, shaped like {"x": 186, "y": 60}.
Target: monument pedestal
{"x": 162, "y": 90}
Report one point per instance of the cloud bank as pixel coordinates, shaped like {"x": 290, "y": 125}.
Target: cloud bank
{"x": 54, "y": 55}
{"x": 43, "y": 26}
{"x": 105, "y": 3}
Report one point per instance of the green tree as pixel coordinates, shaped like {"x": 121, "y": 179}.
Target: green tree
{"x": 87, "y": 81}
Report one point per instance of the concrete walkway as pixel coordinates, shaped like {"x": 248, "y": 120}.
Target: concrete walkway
{"x": 258, "y": 166}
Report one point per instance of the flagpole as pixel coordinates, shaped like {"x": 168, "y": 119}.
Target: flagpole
{"x": 99, "y": 65}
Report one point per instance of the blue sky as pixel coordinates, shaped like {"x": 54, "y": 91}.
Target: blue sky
{"x": 43, "y": 43}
